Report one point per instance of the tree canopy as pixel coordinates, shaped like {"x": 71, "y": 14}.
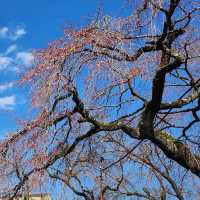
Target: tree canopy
{"x": 118, "y": 105}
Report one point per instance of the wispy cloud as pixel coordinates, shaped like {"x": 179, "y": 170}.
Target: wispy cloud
{"x": 11, "y": 49}
{"x": 26, "y": 58}
{"x": 6, "y": 86}
{"x": 10, "y": 63}
{"x": 18, "y": 33}
{"x": 4, "y": 32}
{"x": 7, "y": 103}
{"x": 5, "y": 62}
{"x": 7, "y": 33}
{"x": 10, "y": 60}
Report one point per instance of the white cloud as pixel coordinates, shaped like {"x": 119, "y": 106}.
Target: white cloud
{"x": 26, "y": 58}
{"x": 11, "y": 49}
{"x": 19, "y": 32}
{"x": 23, "y": 58}
{"x": 6, "y": 86}
{"x": 11, "y": 59}
{"x": 4, "y": 32}
{"x": 5, "y": 62}
{"x": 8, "y": 102}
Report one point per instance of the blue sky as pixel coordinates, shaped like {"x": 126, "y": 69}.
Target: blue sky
{"x": 26, "y": 25}
{"x": 29, "y": 25}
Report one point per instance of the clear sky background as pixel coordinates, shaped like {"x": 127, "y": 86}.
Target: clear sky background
{"x": 29, "y": 25}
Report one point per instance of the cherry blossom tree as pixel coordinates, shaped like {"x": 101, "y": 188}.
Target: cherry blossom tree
{"x": 118, "y": 105}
